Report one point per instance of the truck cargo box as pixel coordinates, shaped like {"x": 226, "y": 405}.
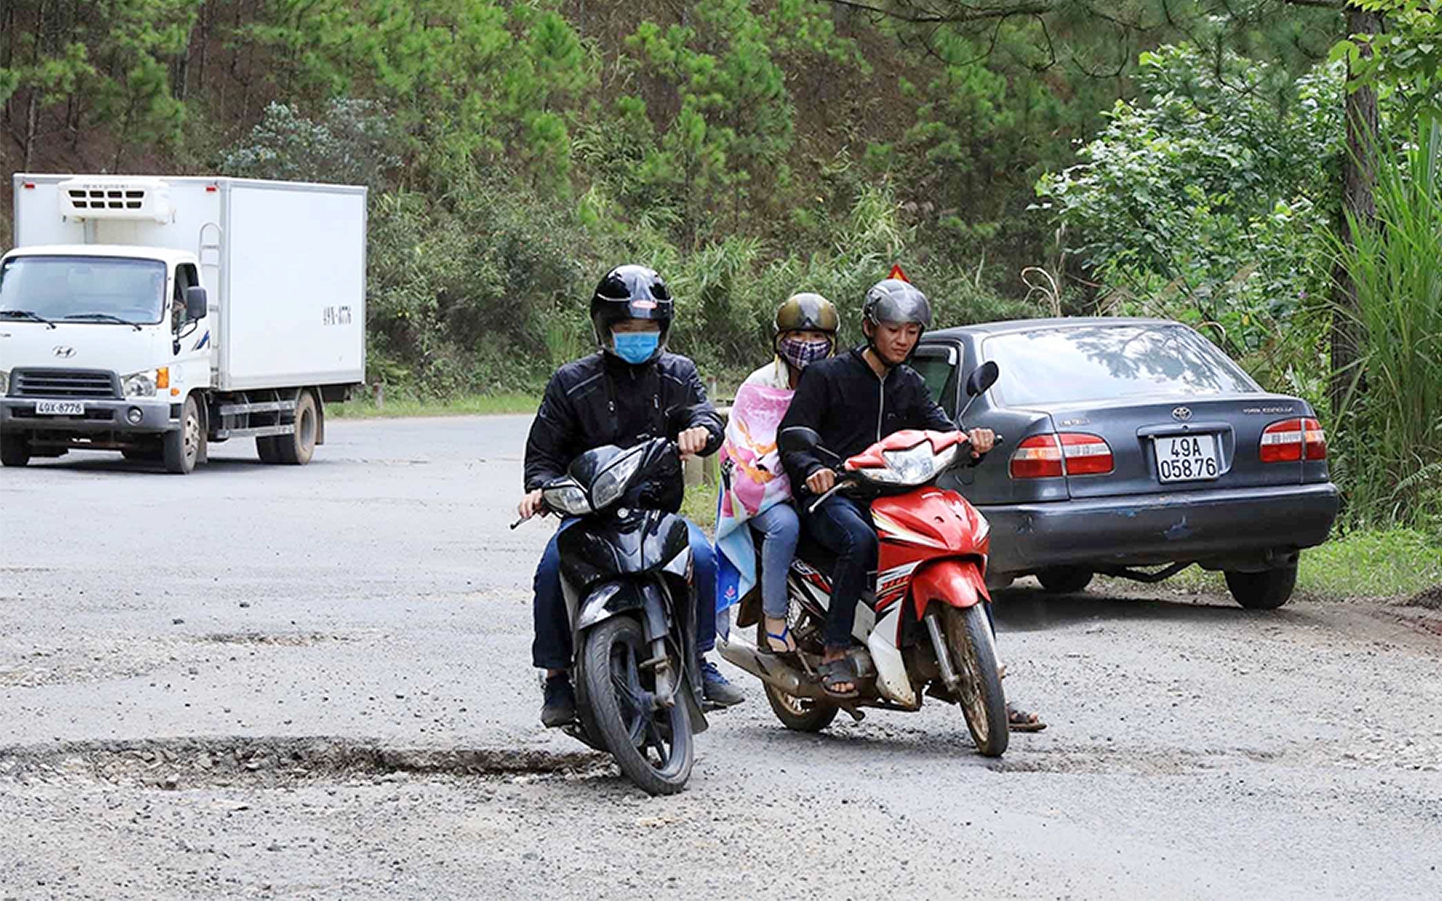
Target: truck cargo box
{"x": 284, "y": 262}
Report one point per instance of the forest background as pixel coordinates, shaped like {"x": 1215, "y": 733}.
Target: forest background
{"x": 1181, "y": 158}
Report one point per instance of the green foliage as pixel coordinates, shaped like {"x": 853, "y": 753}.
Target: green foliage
{"x": 1389, "y": 433}
{"x": 1211, "y": 202}
{"x": 1404, "y": 60}
{"x": 353, "y": 143}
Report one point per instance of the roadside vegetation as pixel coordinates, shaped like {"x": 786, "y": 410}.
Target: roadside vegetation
{"x": 1189, "y": 160}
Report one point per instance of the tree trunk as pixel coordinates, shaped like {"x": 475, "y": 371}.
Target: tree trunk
{"x": 32, "y": 124}
{"x": 1358, "y": 177}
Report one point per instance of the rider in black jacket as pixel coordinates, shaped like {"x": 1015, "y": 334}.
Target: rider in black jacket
{"x": 853, "y": 401}
{"x": 618, "y": 396}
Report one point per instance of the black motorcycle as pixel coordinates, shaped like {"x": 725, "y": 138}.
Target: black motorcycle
{"x": 626, "y": 573}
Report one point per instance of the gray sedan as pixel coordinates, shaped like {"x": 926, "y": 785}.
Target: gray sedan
{"x": 1132, "y": 443}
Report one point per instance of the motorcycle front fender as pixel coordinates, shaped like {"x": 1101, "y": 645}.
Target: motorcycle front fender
{"x": 953, "y": 581}
{"x": 612, "y": 598}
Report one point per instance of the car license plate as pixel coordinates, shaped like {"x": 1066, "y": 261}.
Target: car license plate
{"x": 59, "y": 408}
{"x": 1187, "y": 458}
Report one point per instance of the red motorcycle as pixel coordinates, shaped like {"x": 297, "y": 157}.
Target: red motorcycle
{"x": 925, "y": 626}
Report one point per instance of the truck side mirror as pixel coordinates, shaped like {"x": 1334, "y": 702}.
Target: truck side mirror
{"x": 196, "y": 304}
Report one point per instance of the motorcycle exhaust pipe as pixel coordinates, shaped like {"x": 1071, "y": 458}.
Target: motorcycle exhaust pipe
{"x": 769, "y": 670}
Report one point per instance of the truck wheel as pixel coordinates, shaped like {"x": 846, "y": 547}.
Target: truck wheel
{"x": 1064, "y": 579}
{"x": 14, "y": 450}
{"x": 182, "y": 447}
{"x": 1266, "y": 590}
{"x": 297, "y": 448}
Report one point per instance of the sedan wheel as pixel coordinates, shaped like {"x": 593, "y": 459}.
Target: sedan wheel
{"x": 1266, "y": 590}
{"x": 1064, "y": 579}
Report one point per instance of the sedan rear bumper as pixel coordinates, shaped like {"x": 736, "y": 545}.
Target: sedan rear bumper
{"x": 1241, "y": 524}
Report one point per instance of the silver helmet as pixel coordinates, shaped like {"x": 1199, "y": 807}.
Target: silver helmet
{"x": 895, "y": 302}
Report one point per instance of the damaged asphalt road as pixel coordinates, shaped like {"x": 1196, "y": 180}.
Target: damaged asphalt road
{"x": 313, "y": 682}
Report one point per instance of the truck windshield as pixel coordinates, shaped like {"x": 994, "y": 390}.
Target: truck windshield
{"x": 99, "y": 290}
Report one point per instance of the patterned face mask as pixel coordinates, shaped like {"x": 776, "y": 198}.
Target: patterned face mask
{"x": 801, "y": 353}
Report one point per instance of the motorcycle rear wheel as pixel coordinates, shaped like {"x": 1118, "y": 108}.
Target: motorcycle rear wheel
{"x": 654, "y": 748}
{"x": 796, "y": 714}
{"x": 973, "y": 653}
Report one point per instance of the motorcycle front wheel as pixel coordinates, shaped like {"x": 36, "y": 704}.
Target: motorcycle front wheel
{"x": 654, "y": 747}
{"x": 973, "y": 653}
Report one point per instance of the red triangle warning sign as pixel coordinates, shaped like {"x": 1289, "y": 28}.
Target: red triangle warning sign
{"x": 897, "y": 273}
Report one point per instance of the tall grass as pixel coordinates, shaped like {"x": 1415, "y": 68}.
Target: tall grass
{"x": 1389, "y": 431}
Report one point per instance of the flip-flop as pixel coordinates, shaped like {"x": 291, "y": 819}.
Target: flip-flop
{"x": 788, "y": 643}
{"x": 838, "y": 672}
{"x": 1019, "y": 720}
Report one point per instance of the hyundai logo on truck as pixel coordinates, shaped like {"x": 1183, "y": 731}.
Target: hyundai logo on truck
{"x": 63, "y": 352}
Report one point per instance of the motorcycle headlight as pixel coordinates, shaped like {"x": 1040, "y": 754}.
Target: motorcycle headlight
{"x": 567, "y": 498}
{"x": 4, "y": 382}
{"x": 139, "y": 384}
{"x": 613, "y": 480}
{"x": 913, "y": 466}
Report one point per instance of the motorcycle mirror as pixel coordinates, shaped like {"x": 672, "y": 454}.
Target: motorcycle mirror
{"x": 798, "y": 438}
{"x": 982, "y": 378}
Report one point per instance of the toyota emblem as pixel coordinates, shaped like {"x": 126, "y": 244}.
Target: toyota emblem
{"x": 63, "y": 352}
{"x": 1181, "y": 414}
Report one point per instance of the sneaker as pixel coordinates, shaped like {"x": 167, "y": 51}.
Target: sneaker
{"x": 715, "y": 689}
{"x": 559, "y": 707}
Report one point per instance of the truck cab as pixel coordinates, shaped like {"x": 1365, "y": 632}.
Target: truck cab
{"x": 101, "y": 340}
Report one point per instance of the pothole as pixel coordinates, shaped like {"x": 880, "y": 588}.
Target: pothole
{"x": 1137, "y": 762}
{"x": 181, "y": 763}
{"x": 281, "y": 639}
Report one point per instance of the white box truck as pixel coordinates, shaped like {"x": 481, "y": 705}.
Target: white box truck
{"x": 156, "y": 315}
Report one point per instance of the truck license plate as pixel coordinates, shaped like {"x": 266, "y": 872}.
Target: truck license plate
{"x": 1187, "y": 458}
{"x": 59, "y": 408}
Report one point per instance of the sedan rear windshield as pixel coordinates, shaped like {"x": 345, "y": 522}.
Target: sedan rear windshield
{"x": 1105, "y": 362}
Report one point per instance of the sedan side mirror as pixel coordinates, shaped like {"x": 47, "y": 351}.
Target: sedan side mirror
{"x": 982, "y": 378}
{"x": 196, "y": 304}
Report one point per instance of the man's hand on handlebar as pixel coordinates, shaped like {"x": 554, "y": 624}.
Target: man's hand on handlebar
{"x": 821, "y": 481}
{"x": 692, "y": 441}
{"x": 530, "y": 505}
{"x": 982, "y": 440}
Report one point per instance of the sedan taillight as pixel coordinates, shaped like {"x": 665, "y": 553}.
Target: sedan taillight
{"x": 1316, "y": 439}
{"x": 1289, "y": 440}
{"x": 1053, "y": 456}
{"x": 1086, "y": 455}
{"x": 1037, "y": 457}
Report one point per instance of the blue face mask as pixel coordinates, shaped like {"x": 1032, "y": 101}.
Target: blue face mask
{"x": 635, "y": 347}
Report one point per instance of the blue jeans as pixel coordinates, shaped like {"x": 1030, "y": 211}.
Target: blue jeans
{"x": 552, "y": 646}
{"x": 778, "y": 528}
{"x": 844, "y": 527}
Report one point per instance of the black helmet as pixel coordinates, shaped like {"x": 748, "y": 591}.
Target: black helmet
{"x": 895, "y": 302}
{"x": 631, "y": 292}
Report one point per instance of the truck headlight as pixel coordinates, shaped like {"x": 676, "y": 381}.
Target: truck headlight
{"x": 4, "y": 382}
{"x": 139, "y": 384}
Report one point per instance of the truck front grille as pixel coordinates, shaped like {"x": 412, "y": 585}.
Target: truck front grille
{"x": 64, "y": 383}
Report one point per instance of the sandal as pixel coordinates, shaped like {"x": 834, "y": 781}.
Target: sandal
{"x": 1019, "y": 720}
{"x": 787, "y": 644}
{"x": 838, "y": 672}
